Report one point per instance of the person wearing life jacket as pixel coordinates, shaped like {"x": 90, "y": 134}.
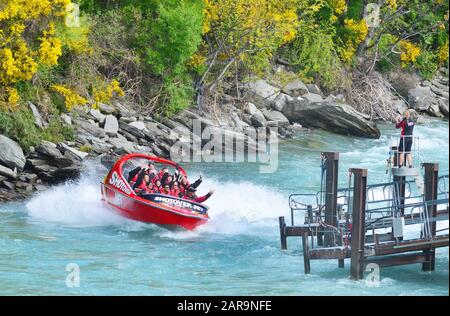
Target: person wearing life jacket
{"x": 406, "y": 138}
{"x": 190, "y": 195}
{"x": 175, "y": 191}
{"x": 166, "y": 190}
{"x": 184, "y": 184}
{"x": 140, "y": 187}
{"x": 158, "y": 187}
{"x": 162, "y": 172}
{"x": 150, "y": 189}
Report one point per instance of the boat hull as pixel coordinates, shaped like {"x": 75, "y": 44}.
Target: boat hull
{"x": 142, "y": 210}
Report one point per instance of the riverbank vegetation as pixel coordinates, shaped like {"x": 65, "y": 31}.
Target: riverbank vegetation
{"x": 166, "y": 55}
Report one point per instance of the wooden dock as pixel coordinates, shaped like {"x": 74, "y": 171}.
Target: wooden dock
{"x": 369, "y": 230}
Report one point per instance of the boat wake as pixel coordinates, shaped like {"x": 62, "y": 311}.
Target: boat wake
{"x": 235, "y": 208}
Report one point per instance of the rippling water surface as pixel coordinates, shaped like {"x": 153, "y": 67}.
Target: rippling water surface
{"x": 236, "y": 253}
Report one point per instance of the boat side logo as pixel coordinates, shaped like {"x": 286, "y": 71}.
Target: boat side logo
{"x": 118, "y": 182}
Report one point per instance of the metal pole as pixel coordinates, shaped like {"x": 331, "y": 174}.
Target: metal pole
{"x": 331, "y": 186}
{"x": 358, "y": 223}
{"x": 400, "y": 187}
{"x": 283, "y": 233}
{"x": 431, "y": 194}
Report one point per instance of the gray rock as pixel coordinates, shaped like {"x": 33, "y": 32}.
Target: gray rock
{"x": 262, "y": 92}
{"x": 121, "y": 145}
{"x": 111, "y": 126}
{"x": 38, "y": 121}
{"x": 421, "y": 98}
{"x": 250, "y": 108}
{"x": 7, "y": 185}
{"x": 312, "y": 97}
{"x": 9, "y": 173}
{"x": 295, "y": 88}
{"x": 11, "y": 154}
{"x": 90, "y": 129}
{"x": 98, "y": 116}
{"x": 128, "y": 119}
{"x": 72, "y": 153}
{"x": 49, "y": 149}
{"x": 99, "y": 146}
{"x": 281, "y": 101}
{"x": 258, "y": 119}
{"x": 36, "y": 162}
{"x": 434, "y": 110}
{"x": 138, "y": 124}
{"x": 106, "y": 109}
{"x": 400, "y": 105}
{"x": 277, "y": 117}
{"x": 131, "y": 129}
{"x": 313, "y": 88}
{"x": 443, "y": 107}
{"x": 66, "y": 119}
{"x": 187, "y": 119}
{"x": 334, "y": 117}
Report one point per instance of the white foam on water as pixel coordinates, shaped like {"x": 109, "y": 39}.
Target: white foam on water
{"x": 74, "y": 203}
{"x": 233, "y": 207}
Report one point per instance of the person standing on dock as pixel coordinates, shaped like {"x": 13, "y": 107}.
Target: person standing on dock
{"x": 406, "y": 139}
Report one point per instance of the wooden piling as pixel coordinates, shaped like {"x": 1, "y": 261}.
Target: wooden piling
{"x": 331, "y": 187}
{"x": 358, "y": 223}
{"x": 431, "y": 194}
{"x": 306, "y": 259}
{"x": 283, "y": 237}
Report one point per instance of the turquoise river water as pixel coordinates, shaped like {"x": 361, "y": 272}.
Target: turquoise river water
{"x": 236, "y": 253}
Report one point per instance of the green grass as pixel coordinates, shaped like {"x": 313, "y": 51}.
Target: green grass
{"x": 19, "y": 125}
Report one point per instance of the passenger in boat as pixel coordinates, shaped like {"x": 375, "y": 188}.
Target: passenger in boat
{"x": 141, "y": 185}
{"x": 150, "y": 189}
{"x": 184, "y": 184}
{"x": 166, "y": 190}
{"x": 158, "y": 186}
{"x": 193, "y": 197}
{"x": 406, "y": 138}
{"x": 175, "y": 190}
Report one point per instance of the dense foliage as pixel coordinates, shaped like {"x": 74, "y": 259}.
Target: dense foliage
{"x": 160, "y": 53}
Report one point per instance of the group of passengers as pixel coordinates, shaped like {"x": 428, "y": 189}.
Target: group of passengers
{"x": 147, "y": 180}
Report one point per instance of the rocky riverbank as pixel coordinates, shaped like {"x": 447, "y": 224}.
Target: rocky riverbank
{"x": 116, "y": 129}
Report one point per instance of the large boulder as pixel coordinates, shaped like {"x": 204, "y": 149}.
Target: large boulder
{"x": 258, "y": 119}
{"x": 276, "y": 116}
{"x": 11, "y": 154}
{"x": 49, "y": 150}
{"x": 262, "y": 93}
{"x": 111, "y": 126}
{"x": 90, "y": 128}
{"x": 281, "y": 101}
{"x": 97, "y": 115}
{"x": 421, "y": 98}
{"x": 9, "y": 173}
{"x": 295, "y": 88}
{"x": 334, "y": 117}
{"x": 443, "y": 106}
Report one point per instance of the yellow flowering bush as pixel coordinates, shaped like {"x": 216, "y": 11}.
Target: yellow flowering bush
{"x": 105, "y": 95}
{"x": 27, "y": 40}
{"x": 356, "y": 33}
{"x": 408, "y": 52}
{"x": 339, "y": 6}
{"x": 443, "y": 53}
{"x": 72, "y": 99}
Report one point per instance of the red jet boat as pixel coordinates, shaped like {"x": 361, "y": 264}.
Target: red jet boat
{"x": 164, "y": 210}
